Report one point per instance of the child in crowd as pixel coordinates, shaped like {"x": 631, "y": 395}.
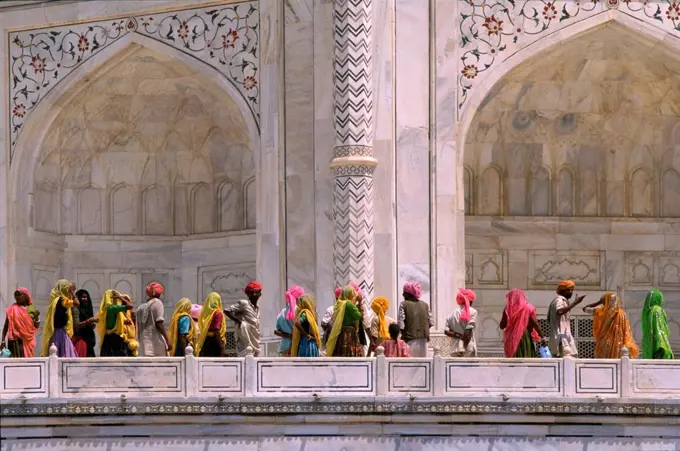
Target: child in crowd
{"x": 395, "y": 347}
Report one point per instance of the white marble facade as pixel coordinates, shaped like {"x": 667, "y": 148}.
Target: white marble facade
{"x": 191, "y": 142}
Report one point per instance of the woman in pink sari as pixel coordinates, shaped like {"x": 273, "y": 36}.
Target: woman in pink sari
{"x": 20, "y": 328}
{"x": 520, "y": 325}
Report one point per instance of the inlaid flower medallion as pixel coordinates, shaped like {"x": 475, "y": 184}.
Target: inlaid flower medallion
{"x": 492, "y": 31}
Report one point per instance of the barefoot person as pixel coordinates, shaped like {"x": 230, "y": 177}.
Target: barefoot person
{"x": 116, "y": 326}
{"x": 415, "y": 320}
{"x": 562, "y": 342}
{"x": 182, "y": 330}
{"x": 246, "y": 315}
{"x": 655, "y": 335}
{"x": 611, "y": 328}
{"x": 461, "y": 325}
{"x": 520, "y": 326}
{"x": 20, "y": 328}
{"x": 152, "y": 335}
{"x": 285, "y": 321}
{"x": 59, "y": 320}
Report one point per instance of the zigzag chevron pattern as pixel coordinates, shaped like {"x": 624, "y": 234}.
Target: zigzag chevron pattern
{"x": 353, "y": 245}
{"x": 353, "y": 76}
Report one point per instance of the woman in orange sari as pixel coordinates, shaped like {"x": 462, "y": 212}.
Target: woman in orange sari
{"x": 20, "y": 328}
{"x": 611, "y": 328}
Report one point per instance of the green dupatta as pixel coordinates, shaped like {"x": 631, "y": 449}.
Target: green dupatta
{"x": 655, "y": 340}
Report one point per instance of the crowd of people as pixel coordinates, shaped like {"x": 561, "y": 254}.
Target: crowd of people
{"x": 352, "y": 327}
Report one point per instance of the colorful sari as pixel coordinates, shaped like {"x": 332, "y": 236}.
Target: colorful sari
{"x": 655, "y": 336}
{"x": 21, "y": 331}
{"x": 84, "y": 339}
{"x": 182, "y": 310}
{"x": 611, "y": 330}
{"x": 212, "y": 340}
{"x": 517, "y": 339}
{"x": 119, "y": 335}
{"x": 306, "y": 315}
{"x": 344, "y": 337}
{"x": 60, "y": 309}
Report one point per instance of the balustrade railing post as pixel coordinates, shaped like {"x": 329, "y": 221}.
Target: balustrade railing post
{"x": 438, "y": 370}
{"x": 381, "y": 372}
{"x": 53, "y": 374}
{"x": 191, "y": 372}
{"x": 569, "y": 378}
{"x": 250, "y": 373}
{"x": 626, "y": 373}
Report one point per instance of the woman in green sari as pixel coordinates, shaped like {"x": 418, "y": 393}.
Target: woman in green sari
{"x": 655, "y": 341}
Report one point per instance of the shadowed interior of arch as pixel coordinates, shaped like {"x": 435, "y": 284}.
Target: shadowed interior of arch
{"x": 587, "y": 128}
{"x": 149, "y": 146}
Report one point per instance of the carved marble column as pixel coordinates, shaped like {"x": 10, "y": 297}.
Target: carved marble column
{"x": 353, "y": 163}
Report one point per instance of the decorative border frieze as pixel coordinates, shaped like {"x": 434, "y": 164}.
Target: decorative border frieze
{"x": 491, "y": 32}
{"x": 245, "y": 407}
{"x": 224, "y": 37}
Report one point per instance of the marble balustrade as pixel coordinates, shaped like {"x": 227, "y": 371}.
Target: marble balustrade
{"x": 191, "y": 377}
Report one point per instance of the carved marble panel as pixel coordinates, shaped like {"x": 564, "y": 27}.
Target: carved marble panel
{"x": 477, "y": 376}
{"x": 227, "y": 280}
{"x": 409, "y": 376}
{"x": 670, "y": 194}
{"x": 655, "y": 378}
{"x": 653, "y": 269}
{"x": 218, "y": 375}
{"x": 289, "y": 376}
{"x": 598, "y": 377}
{"x": 548, "y": 268}
{"x": 25, "y": 377}
{"x": 487, "y": 269}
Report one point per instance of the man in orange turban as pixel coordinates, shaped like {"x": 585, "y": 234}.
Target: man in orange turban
{"x": 562, "y": 342}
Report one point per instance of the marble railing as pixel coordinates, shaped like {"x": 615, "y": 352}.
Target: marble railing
{"x": 191, "y": 377}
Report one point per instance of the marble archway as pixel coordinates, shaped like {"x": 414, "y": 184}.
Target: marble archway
{"x": 567, "y": 149}
{"x": 143, "y": 145}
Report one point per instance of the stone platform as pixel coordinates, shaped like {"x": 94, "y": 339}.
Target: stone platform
{"x": 333, "y": 403}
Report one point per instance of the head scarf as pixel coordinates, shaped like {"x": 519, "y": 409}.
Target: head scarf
{"x": 611, "y": 330}
{"x": 413, "y": 288}
{"x": 380, "y": 305}
{"x": 337, "y": 292}
{"x": 20, "y": 325}
{"x": 26, "y": 293}
{"x": 211, "y": 305}
{"x": 655, "y": 335}
{"x": 348, "y": 294}
{"x": 565, "y": 285}
{"x": 61, "y": 290}
{"x": 183, "y": 308}
{"x": 196, "y": 311}
{"x": 252, "y": 286}
{"x": 306, "y": 305}
{"x": 154, "y": 290}
{"x": 292, "y": 296}
{"x": 357, "y": 289}
{"x": 517, "y": 311}
{"x": 85, "y": 310}
{"x": 464, "y": 298}
{"x": 128, "y": 332}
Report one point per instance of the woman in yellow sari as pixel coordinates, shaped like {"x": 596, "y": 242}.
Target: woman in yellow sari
{"x": 611, "y": 328}
{"x": 182, "y": 331}
{"x": 306, "y": 338}
{"x": 213, "y": 328}
{"x": 59, "y": 320}
{"x": 116, "y": 326}
{"x": 343, "y": 340}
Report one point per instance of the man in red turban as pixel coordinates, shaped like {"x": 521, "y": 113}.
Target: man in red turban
{"x": 152, "y": 336}
{"x": 246, "y": 315}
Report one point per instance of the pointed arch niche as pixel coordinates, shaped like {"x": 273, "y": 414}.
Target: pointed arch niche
{"x": 567, "y": 126}
{"x": 106, "y": 168}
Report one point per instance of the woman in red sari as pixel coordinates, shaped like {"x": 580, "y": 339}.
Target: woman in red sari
{"x": 20, "y": 328}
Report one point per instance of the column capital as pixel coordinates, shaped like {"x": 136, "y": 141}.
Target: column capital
{"x": 339, "y": 162}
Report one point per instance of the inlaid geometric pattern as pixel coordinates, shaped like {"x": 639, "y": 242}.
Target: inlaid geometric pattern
{"x": 353, "y": 186}
{"x": 224, "y": 37}
{"x": 353, "y": 216}
{"x": 353, "y": 72}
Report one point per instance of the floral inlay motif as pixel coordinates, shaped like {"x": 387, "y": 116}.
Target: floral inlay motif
{"x": 492, "y": 30}
{"x": 226, "y": 38}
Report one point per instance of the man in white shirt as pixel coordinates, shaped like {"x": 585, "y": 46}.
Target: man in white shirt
{"x": 460, "y": 326}
{"x": 153, "y": 340}
{"x": 562, "y": 342}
